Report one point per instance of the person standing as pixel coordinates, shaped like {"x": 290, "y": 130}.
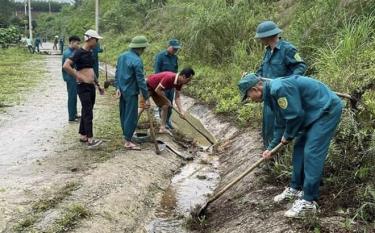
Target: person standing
{"x": 130, "y": 81}
{"x": 37, "y": 43}
{"x": 306, "y": 111}
{"x": 29, "y": 44}
{"x": 167, "y": 60}
{"x": 61, "y": 44}
{"x": 95, "y": 53}
{"x": 71, "y": 82}
{"x": 83, "y": 62}
{"x": 280, "y": 59}
{"x": 55, "y": 42}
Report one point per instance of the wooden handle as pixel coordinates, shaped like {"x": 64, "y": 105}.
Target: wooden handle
{"x": 152, "y": 131}
{"x": 198, "y": 130}
{"x": 245, "y": 173}
{"x": 344, "y": 95}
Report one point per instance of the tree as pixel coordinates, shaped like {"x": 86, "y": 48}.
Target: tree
{"x": 5, "y": 12}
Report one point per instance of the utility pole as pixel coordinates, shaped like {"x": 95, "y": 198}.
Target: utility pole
{"x": 97, "y": 15}
{"x": 30, "y": 24}
{"x": 25, "y": 17}
{"x": 49, "y": 6}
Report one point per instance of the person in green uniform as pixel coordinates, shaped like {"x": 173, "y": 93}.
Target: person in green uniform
{"x": 61, "y": 44}
{"x": 130, "y": 81}
{"x": 280, "y": 59}
{"x": 37, "y": 43}
{"x": 167, "y": 60}
{"x": 71, "y": 82}
{"x": 95, "y": 53}
{"x": 308, "y": 112}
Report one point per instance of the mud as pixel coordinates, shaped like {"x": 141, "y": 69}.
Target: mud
{"x": 189, "y": 188}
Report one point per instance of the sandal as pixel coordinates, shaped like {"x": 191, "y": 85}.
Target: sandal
{"x": 132, "y": 147}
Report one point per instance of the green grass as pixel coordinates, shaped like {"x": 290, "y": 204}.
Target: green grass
{"x": 19, "y": 72}
{"x": 70, "y": 218}
{"x": 47, "y": 202}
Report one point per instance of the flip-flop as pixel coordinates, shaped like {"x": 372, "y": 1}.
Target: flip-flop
{"x": 132, "y": 148}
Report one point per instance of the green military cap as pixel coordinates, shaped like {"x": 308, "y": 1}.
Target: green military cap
{"x": 247, "y": 82}
{"x": 139, "y": 42}
{"x": 267, "y": 29}
{"x": 174, "y": 43}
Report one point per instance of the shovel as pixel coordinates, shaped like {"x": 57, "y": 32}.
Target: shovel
{"x": 203, "y": 209}
{"x": 198, "y": 130}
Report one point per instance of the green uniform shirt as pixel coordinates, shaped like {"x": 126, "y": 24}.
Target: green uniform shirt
{"x": 165, "y": 62}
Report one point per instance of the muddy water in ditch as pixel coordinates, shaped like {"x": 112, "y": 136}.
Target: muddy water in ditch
{"x": 190, "y": 187}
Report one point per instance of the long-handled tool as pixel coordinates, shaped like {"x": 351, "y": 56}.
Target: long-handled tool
{"x": 235, "y": 181}
{"x": 192, "y": 125}
{"x": 152, "y": 131}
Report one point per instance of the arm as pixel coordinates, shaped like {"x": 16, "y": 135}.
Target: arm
{"x": 117, "y": 83}
{"x": 67, "y": 66}
{"x": 259, "y": 72}
{"x": 158, "y": 64}
{"x": 178, "y": 101}
{"x": 139, "y": 73}
{"x": 176, "y": 64}
{"x": 278, "y": 132}
{"x": 295, "y": 62}
{"x": 290, "y": 109}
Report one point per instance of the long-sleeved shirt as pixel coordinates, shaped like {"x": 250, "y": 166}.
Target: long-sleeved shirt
{"x": 165, "y": 62}
{"x": 283, "y": 61}
{"x": 297, "y": 101}
{"x": 129, "y": 77}
{"x": 67, "y": 54}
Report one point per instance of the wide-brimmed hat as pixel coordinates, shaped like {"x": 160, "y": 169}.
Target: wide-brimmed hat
{"x": 139, "y": 42}
{"x": 267, "y": 29}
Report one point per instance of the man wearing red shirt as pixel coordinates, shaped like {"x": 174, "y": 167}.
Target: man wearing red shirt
{"x": 159, "y": 83}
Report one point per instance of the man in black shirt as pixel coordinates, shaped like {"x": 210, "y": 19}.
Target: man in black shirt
{"x": 83, "y": 62}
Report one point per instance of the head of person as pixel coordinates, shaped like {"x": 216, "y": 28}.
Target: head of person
{"x": 173, "y": 46}
{"x": 251, "y": 86}
{"x": 185, "y": 75}
{"x": 139, "y": 44}
{"x": 91, "y": 38}
{"x": 74, "y": 42}
{"x": 267, "y": 32}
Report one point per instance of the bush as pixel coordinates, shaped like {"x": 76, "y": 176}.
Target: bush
{"x": 8, "y": 36}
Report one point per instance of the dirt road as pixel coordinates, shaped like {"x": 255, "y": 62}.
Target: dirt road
{"x": 50, "y": 182}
